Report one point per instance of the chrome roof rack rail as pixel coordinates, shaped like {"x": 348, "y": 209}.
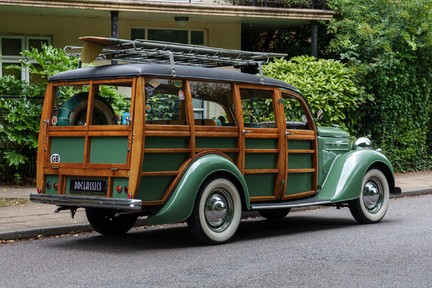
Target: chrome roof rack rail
{"x": 158, "y": 52}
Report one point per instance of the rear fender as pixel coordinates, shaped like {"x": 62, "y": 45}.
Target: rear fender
{"x": 181, "y": 202}
{"x": 345, "y": 177}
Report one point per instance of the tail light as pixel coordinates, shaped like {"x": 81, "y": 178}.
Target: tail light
{"x": 119, "y": 188}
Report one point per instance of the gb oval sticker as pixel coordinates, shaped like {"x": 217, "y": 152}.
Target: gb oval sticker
{"x": 55, "y": 158}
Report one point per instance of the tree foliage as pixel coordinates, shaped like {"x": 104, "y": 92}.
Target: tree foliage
{"x": 389, "y": 44}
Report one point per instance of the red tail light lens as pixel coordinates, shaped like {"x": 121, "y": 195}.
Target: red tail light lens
{"x": 56, "y": 185}
{"x": 119, "y": 188}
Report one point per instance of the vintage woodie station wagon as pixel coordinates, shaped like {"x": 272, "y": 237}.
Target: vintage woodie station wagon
{"x": 194, "y": 143}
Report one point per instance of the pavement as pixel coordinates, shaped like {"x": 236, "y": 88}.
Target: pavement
{"x": 27, "y": 220}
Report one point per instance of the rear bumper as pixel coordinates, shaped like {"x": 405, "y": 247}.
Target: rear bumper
{"x": 86, "y": 201}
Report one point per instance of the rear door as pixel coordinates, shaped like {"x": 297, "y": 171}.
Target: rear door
{"x": 87, "y": 151}
{"x": 261, "y": 142}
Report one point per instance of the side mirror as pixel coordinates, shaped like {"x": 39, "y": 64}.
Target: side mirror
{"x": 319, "y": 114}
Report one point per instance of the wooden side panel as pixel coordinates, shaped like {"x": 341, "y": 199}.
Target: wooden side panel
{"x": 137, "y": 140}
{"x": 43, "y": 138}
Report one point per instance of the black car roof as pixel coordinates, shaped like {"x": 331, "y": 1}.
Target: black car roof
{"x": 160, "y": 70}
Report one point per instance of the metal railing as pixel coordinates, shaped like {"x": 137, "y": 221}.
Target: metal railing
{"x": 180, "y": 1}
{"x": 310, "y": 4}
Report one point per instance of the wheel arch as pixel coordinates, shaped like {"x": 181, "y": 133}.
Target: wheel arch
{"x": 388, "y": 173}
{"x": 181, "y": 202}
{"x": 344, "y": 180}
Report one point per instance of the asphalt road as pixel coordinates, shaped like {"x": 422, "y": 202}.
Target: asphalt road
{"x": 316, "y": 248}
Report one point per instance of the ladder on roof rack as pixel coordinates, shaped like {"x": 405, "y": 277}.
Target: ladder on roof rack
{"x": 158, "y": 52}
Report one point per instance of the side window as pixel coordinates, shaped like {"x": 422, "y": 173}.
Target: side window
{"x": 165, "y": 101}
{"x": 257, "y": 107}
{"x": 70, "y": 105}
{"x": 111, "y": 105}
{"x": 295, "y": 113}
{"x": 211, "y": 101}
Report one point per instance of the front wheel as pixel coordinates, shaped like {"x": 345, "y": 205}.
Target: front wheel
{"x": 217, "y": 212}
{"x": 106, "y": 222}
{"x": 374, "y": 198}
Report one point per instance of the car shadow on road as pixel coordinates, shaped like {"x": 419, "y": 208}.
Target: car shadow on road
{"x": 177, "y": 236}
{"x": 289, "y": 226}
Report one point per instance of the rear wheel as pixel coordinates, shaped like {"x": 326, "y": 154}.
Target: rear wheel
{"x": 217, "y": 212}
{"x": 374, "y": 198}
{"x": 105, "y": 222}
{"x": 274, "y": 214}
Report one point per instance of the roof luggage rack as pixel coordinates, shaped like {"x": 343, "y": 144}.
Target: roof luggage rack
{"x": 158, "y": 52}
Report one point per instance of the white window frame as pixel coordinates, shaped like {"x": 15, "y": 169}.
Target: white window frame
{"x": 176, "y": 29}
{"x": 15, "y": 59}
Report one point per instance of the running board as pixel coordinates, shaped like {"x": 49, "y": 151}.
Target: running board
{"x": 290, "y": 204}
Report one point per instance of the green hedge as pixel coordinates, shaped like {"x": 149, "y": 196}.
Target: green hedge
{"x": 389, "y": 43}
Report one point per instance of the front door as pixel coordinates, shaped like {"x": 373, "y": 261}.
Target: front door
{"x": 301, "y": 148}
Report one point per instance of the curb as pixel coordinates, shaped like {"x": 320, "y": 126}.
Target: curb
{"x": 45, "y": 232}
{"x": 80, "y": 228}
{"x": 410, "y": 193}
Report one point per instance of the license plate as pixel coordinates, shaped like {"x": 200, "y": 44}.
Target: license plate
{"x": 88, "y": 186}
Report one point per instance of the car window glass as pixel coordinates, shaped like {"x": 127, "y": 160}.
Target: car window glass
{"x": 165, "y": 101}
{"x": 295, "y": 113}
{"x": 257, "y": 108}
{"x": 210, "y": 102}
{"x": 111, "y": 105}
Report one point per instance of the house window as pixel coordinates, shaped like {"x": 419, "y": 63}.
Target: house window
{"x": 10, "y": 54}
{"x": 194, "y": 37}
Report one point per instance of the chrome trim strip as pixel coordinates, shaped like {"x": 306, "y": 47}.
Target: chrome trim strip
{"x": 87, "y": 201}
{"x": 292, "y": 204}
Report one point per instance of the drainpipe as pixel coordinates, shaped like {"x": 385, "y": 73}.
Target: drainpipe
{"x": 114, "y": 28}
{"x": 114, "y": 24}
{"x": 314, "y": 42}
{"x": 314, "y": 33}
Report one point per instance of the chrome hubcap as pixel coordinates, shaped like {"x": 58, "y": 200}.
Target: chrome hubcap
{"x": 218, "y": 210}
{"x": 373, "y": 195}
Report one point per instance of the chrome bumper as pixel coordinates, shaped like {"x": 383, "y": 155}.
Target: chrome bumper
{"x": 86, "y": 201}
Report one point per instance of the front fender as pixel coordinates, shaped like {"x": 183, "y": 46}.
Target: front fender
{"x": 344, "y": 180}
{"x": 181, "y": 202}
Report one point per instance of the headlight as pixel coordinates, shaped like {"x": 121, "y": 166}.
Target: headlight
{"x": 363, "y": 143}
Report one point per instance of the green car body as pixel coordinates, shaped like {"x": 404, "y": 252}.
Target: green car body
{"x": 341, "y": 174}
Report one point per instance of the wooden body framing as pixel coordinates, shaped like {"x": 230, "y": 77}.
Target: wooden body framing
{"x": 139, "y": 132}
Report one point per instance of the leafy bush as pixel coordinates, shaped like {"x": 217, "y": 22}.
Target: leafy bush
{"x": 326, "y": 84}
{"x": 20, "y": 114}
{"x": 19, "y": 125}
